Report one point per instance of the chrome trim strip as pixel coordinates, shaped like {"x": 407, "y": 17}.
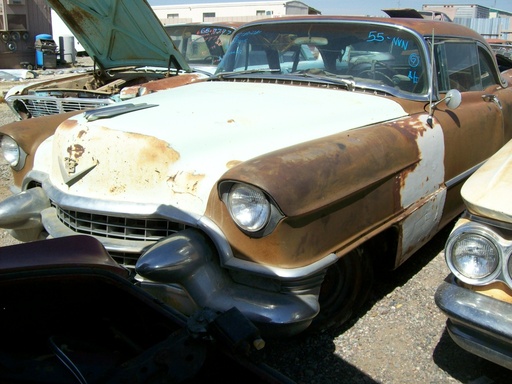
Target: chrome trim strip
{"x": 463, "y": 176}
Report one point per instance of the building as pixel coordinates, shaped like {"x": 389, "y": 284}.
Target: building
{"x": 489, "y": 22}
{"x": 20, "y": 22}
{"x": 239, "y": 11}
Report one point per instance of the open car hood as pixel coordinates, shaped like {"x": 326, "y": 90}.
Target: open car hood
{"x": 120, "y": 33}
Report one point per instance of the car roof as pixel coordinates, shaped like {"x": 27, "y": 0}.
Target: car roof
{"x": 225, "y": 24}
{"x": 424, "y": 27}
{"x": 119, "y": 33}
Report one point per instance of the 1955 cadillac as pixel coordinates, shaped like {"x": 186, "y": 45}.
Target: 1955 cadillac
{"x": 324, "y": 150}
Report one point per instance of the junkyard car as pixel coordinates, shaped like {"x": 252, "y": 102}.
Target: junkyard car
{"x": 477, "y": 295}
{"x": 70, "y": 314}
{"x": 202, "y": 44}
{"x": 128, "y": 56}
{"x": 344, "y": 147}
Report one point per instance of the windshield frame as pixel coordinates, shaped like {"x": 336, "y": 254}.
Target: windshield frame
{"x": 381, "y": 31}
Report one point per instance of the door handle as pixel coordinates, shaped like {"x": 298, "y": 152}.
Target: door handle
{"x": 493, "y": 98}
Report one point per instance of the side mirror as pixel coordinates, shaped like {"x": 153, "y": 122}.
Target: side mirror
{"x": 452, "y": 99}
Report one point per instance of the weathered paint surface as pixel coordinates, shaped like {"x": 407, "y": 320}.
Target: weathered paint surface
{"x": 344, "y": 192}
{"x": 424, "y": 186}
{"x": 160, "y": 84}
{"x": 29, "y": 134}
{"x": 134, "y": 152}
{"x": 487, "y": 192}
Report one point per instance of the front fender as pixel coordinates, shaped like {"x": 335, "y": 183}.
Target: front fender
{"x": 29, "y": 134}
{"x": 308, "y": 176}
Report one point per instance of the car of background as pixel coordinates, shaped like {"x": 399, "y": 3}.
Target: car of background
{"x": 341, "y": 152}
{"x": 501, "y": 47}
{"x": 411, "y": 12}
{"x": 202, "y": 44}
{"x": 127, "y": 59}
{"x": 477, "y": 295}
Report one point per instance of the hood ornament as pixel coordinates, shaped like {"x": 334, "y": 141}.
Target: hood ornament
{"x": 68, "y": 170}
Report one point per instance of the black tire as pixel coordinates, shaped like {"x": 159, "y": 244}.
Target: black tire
{"x": 345, "y": 289}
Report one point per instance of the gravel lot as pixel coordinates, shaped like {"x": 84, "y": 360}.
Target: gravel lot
{"x": 399, "y": 337}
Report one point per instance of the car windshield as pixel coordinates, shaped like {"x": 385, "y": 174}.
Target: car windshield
{"x": 201, "y": 44}
{"x": 367, "y": 55}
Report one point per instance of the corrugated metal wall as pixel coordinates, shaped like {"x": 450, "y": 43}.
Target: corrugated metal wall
{"x": 489, "y": 28}
{"x": 15, "y": 51}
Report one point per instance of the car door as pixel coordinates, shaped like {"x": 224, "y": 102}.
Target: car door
{"x": 475, "y": 130}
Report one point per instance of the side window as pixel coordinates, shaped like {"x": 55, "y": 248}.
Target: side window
{"x": 463, "y": 66}
{"x": 487, "y": 69}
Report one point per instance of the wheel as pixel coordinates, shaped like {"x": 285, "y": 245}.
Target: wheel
{"x": 345, "y": 289}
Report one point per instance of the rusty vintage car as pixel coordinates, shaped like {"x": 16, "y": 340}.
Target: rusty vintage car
{"x": 131, "y": 52}
{"x": 71, "y": 314}
{"x": 342, "y": 152}
{"x": 477, "y": 295}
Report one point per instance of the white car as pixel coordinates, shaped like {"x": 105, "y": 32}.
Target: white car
{"x": 325, "y": 149}
{"x": 477, "y": 296}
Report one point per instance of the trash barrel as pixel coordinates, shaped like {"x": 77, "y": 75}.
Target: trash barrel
{"x": 46, "y": 51}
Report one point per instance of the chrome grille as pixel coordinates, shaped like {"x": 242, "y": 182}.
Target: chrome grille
{"x": 121, "y": 228}
{"x": 124, "y": 228}
{"x": 43, "y": 106}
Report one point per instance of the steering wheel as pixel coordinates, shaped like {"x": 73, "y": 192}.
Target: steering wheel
{"x": 212, "y": 59}
{"x": 375, "y": 70}
{"x": 376, "y": 75}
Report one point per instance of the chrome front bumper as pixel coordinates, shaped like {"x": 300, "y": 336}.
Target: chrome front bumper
{"x": 477, "y": 323}
{"x": 187, "y": 270}
{"x": 188, "y": 259}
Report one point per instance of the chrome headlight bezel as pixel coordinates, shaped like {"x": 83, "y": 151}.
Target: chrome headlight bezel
{"x": 250, "y": 208}
{"x": 494, "y": 240}
{"x": 12, "y": 152}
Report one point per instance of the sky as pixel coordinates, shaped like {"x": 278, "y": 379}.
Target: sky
{"x": 354, "y": 7}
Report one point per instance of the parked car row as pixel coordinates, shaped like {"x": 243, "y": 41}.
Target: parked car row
{"x": 340, "y": 147}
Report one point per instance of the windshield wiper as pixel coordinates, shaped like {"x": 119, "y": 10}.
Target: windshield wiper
{"x": 332, "y": 78}
{"x": 247, "y": 72}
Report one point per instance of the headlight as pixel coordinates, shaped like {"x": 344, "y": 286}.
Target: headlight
{"x": 10, "y": 150}
{"x": 473, "y": 257}
{"x": 249, "y": 207}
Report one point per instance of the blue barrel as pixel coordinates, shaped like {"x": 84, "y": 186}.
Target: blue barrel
{"x": 41, "y": 45}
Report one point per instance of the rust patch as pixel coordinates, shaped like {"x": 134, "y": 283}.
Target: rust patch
{"x": 81, "y": 133}
{"x": 332, "y": 168}
{"x": 160, "y": 85}
{"x": 75, "y": 150}
{"x": 413, "y": 127}
{"x": 185, "y": 182}
{"x": 67, "y": 124}
{"x": 154, "y": 148}
{"x": 232, "y": 163}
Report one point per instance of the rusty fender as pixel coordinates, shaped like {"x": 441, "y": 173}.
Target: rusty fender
{"x": 306, "y": 177}
{"x": 29, "y": 134}
{"x": 333, "y": 192}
